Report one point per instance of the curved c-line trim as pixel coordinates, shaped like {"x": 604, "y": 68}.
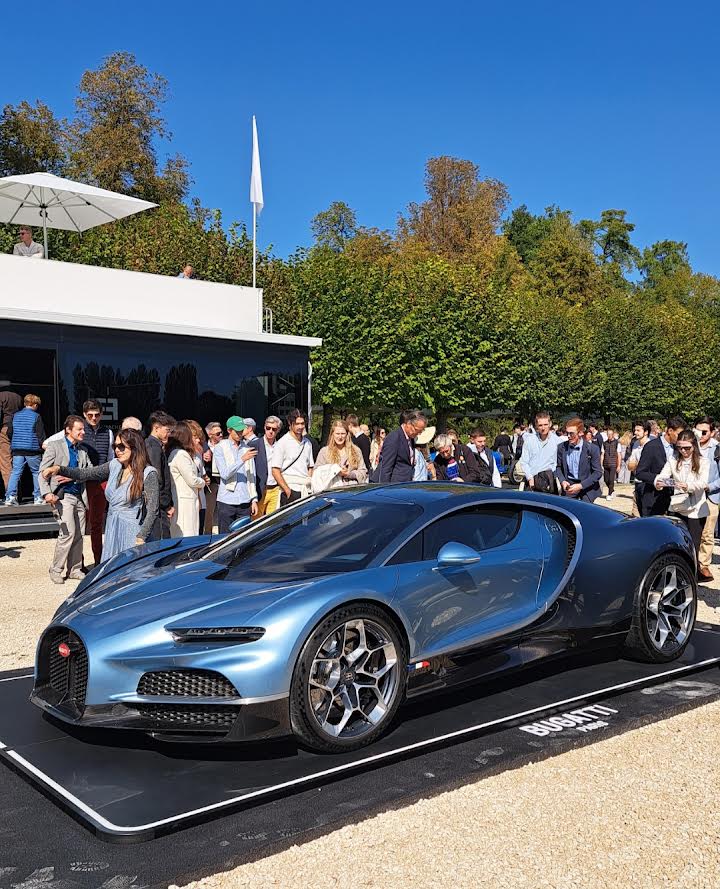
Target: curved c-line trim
{"x": 525, "y": 622}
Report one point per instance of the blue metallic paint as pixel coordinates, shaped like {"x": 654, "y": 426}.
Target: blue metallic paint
{"x": 518, "y": 602}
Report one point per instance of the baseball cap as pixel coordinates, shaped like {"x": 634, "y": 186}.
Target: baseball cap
{"x": 248, "y": 421}
{"x": 235, "y": 423}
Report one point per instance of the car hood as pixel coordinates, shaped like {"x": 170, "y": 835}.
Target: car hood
{"x": 175, "y": 594}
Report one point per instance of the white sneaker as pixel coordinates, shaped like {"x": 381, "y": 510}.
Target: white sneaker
{"x": 38, "y": 501}
{"x": 610, "y": 497}
{"x": 11, "y": 501}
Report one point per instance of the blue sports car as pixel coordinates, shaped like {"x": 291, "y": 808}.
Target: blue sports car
{"x": 319, "y": 620}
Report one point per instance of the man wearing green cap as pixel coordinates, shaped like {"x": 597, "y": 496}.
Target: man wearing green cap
{"x": 237, "y": 494}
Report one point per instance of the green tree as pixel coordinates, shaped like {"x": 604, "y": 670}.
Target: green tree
{"x": 665, "y": 270}
{"x": 334, "y": 227}
{"x": 118, "y": 124}
{"x": 526, "y": 232}
{"x": 610, "y": 237}
{"x": 31, "y": 140}
{"x": 564, "y": 266}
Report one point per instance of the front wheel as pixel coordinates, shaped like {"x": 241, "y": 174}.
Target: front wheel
{"x": 664, "y": 614}
{"x": 349, "y": 680}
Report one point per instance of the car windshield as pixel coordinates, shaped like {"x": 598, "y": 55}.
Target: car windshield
{"x": 324, "y": 536}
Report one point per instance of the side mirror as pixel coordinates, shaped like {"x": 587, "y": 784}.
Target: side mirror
{"x": 453, "y": 555}
{"x": 240, "y": 523}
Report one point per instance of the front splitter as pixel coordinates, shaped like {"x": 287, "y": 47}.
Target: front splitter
{"x": 127, "y": 788}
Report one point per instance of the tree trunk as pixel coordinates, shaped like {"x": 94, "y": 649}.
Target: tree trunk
{"x": 441, "y": 418}
{"x": 327, "y": 420}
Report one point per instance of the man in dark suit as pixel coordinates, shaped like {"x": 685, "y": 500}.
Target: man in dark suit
{"x": 251, "y": 439}
{"x": 397, "y": 457}
{"x": 359, "y": 438}
{"x": 578, "y": 464}
{"x": 654, "y": 456}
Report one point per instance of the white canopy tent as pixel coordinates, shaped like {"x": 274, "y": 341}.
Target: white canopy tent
{"x": 53, "y": 202}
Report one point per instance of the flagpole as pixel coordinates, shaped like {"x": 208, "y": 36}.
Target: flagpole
{"x": 254, "y": 244}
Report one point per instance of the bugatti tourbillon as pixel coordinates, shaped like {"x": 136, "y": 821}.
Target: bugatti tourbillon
{"x": 320, "y": 620}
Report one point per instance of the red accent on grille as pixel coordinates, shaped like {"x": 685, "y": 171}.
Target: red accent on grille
{"x": 64, "y": 649}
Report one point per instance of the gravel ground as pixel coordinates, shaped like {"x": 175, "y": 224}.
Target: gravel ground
{"x": 639, "y": 808}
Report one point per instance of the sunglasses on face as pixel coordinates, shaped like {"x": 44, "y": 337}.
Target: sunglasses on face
{"x": 120, "y": 447}
{"x": 93, "y": 414}
{"x": 270, "y": 429}
{"x": 684, "y": 447}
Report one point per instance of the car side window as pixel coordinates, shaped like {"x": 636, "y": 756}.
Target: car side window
{"x": 412, "y": 551}
{"x": 480, "y": 528}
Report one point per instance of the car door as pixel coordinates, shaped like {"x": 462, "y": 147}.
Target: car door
{"x": 451, "y": 608}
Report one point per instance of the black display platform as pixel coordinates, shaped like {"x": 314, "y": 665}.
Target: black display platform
{"x": 127, "y": 788}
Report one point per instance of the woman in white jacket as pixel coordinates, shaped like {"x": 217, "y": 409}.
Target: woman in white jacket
{"x": 186, "y": 482}
{"x": 688, "y": 475}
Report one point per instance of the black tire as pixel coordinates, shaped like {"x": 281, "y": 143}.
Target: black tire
{"x": 307, "y": 704}
{"x": 644, "y": 640}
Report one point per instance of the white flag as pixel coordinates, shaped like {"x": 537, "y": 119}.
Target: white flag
{"x": 256, "y": 192}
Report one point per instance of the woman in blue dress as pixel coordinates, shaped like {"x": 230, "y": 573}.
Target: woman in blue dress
{"x": 132, "y": 492}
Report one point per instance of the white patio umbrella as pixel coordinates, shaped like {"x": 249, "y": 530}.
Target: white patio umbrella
{"x": 54, "y": 202}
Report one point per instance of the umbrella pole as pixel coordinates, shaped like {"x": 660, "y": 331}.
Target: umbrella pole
{"x": 45, "y": 232}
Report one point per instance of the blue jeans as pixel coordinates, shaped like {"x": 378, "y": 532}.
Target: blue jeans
{"x": 18, "y": 464}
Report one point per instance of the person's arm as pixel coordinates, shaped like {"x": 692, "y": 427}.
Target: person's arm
{"x": 322, "y": 458}
{"x": 388, "y": 459}
{"x": 151, "y": 488}
{"x": 559, "y": 471}
{"x": 187, "y": 471}
{"x": 39, "y": 429}
{"x": 526, "y": 461}
{"x": 665, "y": 472}
{"x": 699, "y": 481}
{"x": 99, "y": 473}
{"x": 48, "y": 459}
{"x": 596, "y": 472}
{"x": 360, "y": 475}
{"x": 225, "y": 471}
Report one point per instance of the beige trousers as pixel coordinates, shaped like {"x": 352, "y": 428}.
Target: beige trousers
{"x": 69, "y": 546}
{"x": 708, "y": 537}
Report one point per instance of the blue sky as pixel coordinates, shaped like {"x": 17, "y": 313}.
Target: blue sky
{"x": 588, "y": 106}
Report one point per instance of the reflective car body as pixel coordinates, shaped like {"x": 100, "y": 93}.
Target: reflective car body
{"x": 198, "y": 640}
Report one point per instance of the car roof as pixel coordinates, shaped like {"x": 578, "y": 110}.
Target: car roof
{"x": 439, "y": 496}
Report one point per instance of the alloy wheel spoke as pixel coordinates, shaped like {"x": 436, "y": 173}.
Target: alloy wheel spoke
{"x": 353, "y": 679}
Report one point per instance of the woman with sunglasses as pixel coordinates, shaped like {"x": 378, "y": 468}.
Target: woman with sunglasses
{"x": 376, "y": 446}
{"x": 687, "y": 474}
{"x": 132, "y": 492}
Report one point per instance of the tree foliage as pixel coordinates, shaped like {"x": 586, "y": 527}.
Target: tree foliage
{"x": 31, "y": 140}
{"x": 118, "y": 124}
{"x": 455, "y": 311}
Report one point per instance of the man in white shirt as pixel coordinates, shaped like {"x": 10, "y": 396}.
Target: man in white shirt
{"x": 26, "y": 246}
{"x": 708, "y": 448}
{"x": 270, "y": 500}
{"x": 292, "y": 460}
{"x": 539, "y": 455}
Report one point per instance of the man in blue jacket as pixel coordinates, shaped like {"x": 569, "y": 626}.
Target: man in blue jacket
{"x": 26, "y": 433}
{"x": 578, "y": 464}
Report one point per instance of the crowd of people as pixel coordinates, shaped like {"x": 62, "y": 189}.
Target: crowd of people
{"x": 181, "y": 480}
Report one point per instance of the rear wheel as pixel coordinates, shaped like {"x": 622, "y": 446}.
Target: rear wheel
{"x": 349, "y": 680}
{"x": 665, "y": 608}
